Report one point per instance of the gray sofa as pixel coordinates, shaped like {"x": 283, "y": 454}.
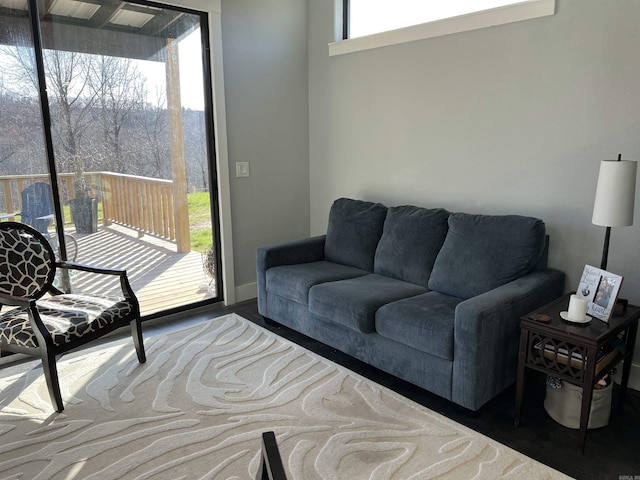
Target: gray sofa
{"x": 432, "y": 297}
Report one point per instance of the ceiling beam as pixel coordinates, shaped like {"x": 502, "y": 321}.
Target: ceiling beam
{"x": 97, "y": 35}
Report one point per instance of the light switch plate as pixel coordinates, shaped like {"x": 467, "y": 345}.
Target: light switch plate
{"x": 242, "y": 169}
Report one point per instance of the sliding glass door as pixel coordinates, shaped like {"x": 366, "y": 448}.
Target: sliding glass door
{"x": 120, "y": 142}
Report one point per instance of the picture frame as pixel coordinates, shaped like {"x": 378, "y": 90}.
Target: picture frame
{"x": 601, "y": 289}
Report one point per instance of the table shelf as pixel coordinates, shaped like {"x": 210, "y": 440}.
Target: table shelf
{"x": 569, "y": 361}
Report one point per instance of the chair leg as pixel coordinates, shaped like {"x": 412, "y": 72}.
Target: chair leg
{"x": 51, "y": 377}
{"x": 136, "y": 333}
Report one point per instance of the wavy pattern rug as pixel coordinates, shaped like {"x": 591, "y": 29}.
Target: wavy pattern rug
{"x": 197, "y": 408}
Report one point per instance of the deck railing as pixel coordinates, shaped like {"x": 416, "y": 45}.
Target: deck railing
{"x": 141, "y": 203}
{"x": 11, "y": 188}
{"x": 146, "y": 205}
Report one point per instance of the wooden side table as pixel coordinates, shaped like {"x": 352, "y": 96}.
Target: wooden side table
{"x": 578, "y": 354}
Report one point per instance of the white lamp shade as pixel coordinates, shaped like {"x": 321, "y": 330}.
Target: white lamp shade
{"x": 615, "y": 194}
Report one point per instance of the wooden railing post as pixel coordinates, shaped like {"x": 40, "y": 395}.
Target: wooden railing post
{"x": 176, "y": 142}
{"x": 105, "y": 185}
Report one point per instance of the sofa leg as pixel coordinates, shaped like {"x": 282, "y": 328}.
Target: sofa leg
{"x": 270, "y": 322}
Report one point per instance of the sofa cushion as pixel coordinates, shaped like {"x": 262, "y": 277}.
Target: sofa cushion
{"x": 294, "y": 281}
{"x": 482, "y": 252}
{"x": 354, "y": 302}
{"x": 424, "y": 322}
{"x": 411, "y": 239}
{"x": 353, "y": 232}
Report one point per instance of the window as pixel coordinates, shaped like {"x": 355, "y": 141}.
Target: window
{"x": 376, "y": 23}
{"x": 367, "y": 17}
{"x": 104, "y": 104}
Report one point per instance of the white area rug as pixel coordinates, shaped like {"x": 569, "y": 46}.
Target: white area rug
{"x": 197, "y": 409}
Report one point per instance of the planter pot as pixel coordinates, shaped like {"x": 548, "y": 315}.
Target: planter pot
{"x": 84, "y": 212}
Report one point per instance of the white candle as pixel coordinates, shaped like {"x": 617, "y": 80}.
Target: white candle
{"x": 577, "y": 307}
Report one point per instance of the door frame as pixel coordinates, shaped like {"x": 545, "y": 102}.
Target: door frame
{"x": 220, "y": 188}
{"x": 213, "y": 9}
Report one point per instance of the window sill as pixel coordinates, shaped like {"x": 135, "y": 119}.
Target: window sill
{"x": 526, "y": 10}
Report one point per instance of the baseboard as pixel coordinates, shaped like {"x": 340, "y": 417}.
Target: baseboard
{"x": 634, "y": 377}
{"x": 246, "y": 292}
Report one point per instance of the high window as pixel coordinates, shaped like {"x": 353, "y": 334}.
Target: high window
{"x": 367, "y": 17}
{"x": 378, "y": 23}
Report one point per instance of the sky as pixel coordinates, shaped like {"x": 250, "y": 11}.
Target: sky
{"x": 372, "y": 16}
{"x": 191, "y": 83}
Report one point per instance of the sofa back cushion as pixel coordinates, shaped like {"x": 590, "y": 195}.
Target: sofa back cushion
{"x": 482, "y": 252}
{"x": 353, "y": 232}
{"x": 411, "y": 239}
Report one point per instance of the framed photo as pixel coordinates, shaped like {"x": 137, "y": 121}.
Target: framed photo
{"x": 601, "y": 289}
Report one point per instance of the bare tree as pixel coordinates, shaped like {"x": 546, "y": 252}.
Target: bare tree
{"x": 100, "y": 112}
{"x": 70, "y": 101}
{"x": 6, "y": 150}
{"x": 21, "y": 149}
{"x": 153, "y": 158}
{"x": 119, "y": 89}
{"x": 67, "y": 79}
{"x": 196, "y": 148}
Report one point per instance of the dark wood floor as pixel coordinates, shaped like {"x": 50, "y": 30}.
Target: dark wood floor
{"x": 612, "y": 452}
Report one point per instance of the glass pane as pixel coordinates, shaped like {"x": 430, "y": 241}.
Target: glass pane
{"x": 367, "y": 17}
{"x": 130, "y": 144}
{"x": 25, "y": 192}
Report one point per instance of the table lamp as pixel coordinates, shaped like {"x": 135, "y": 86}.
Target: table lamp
{"x": 615, "y": 198}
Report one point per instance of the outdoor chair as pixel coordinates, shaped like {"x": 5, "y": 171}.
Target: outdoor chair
{"x": 37, "y": 208}
{"x": 37, "y": 212}
{"x": 46, "y": 322}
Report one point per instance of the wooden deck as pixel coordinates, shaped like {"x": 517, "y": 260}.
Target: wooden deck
{"x": 160, "y": 277}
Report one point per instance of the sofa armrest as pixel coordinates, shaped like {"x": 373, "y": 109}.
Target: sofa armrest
{"x": 487, "y": 331}
{"x": 290, "y": 253}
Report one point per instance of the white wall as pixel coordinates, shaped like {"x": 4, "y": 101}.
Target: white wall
{"x": 266, "y": 85}
{"x": 509, "y": 119}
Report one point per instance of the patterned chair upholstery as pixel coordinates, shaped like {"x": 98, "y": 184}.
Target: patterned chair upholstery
{"x": 46, "y": 322}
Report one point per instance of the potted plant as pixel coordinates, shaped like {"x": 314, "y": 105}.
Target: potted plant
{"x": 84, "y": 208}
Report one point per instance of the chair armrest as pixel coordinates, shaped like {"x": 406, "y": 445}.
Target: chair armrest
{"x": 90, "y": 268}
{"x": 487, "y": 332}
{"x": 124, "y": 279}
{"x": 290, "y": 253}
{"x": 11, "y": 301}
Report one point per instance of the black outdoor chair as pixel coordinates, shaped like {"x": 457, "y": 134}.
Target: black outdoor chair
{"x": 37, "y": 212}
{"x": 37, "y": 207}
{"x": 50, "y": 325}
